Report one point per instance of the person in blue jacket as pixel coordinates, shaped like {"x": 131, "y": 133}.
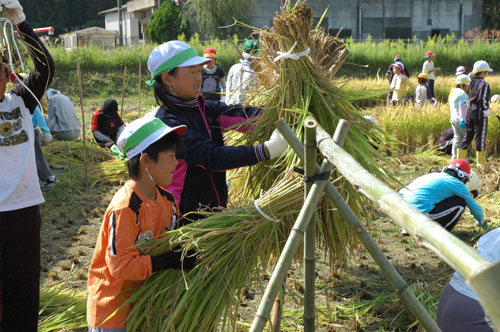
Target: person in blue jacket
{"x": 443, "y": 196}
{"x": 200, "y": 176}
{"x": 45, "y": 174}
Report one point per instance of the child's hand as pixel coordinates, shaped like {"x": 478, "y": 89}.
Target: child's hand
{"x": 174, "y": 260}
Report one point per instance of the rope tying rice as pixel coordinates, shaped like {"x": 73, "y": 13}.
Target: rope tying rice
{"x": 257, "y": 207}
{"x": 290, "y": 55}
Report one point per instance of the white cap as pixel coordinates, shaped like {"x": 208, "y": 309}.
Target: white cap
{"x": 462, "y": 79}
{"x": 480, "y": 66}
{"x": 171, "y": 55}
{"x": 400, "y": 65}
{"x": 495, "y": 98}
{"x": 141, "y": 133}
{"x": 369, "y": 118}
{"x": 474, "y": 182}
{"x": 460, "y": 70}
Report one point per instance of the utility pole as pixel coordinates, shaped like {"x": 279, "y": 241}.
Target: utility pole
{"x": 120, "y": 33}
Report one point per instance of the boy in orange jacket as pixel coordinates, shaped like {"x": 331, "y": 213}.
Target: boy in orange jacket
{"x": 139, "y": 211}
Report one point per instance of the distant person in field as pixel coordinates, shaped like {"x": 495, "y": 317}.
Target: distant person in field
{"x": 429, "y": 69}
{"x": 20, "y": 194}
{"x": 460, "y": 71}
{"x": 390, "y": 73}
{"x": 62, "y": 120}
{"x": 399, "y": 85}
{"x": 459, "y": 309}
{"x": 476, "y": 123}
{"x": 443, "y": 196}
{"x": 140, "y": 211}
{"x": 45, "y": 174}
{"x": 200, "y": 176}
{"x": 214, "y": 81}
{"x": 458, "y": 101}
{"x": 445, "y": 141}
{"x": 421, "y": 91}
{"x": 107, "y": 124}
{"x": 241, "y": 75}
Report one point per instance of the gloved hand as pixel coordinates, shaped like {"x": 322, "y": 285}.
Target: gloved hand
{"x": 487, "y": 113}
{"x": 47, "y": 138}
{"x": 474, "y": 182}
{"x": 276, "y": 144}
{"x": 462, "y": 124}
{"x": 174, "y": 260}
{"x": 13, "y": 11}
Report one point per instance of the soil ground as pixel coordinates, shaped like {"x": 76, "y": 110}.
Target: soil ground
{"x": 357, "y": 299}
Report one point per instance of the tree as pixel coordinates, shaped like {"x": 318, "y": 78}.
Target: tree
{"x": 167, "y": 23}
{"x": 213, "y": 14}
{"x": 491, "y": 14}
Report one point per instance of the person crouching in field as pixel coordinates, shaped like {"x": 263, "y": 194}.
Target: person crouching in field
{"x": 399, "y": 85}
{"x": 421, "y": 90}
{"x": 443, "y": 196}
{"x": 139, "y": 211}
{"x": 107, "y": 124}
{"x": 458, "y": 101}
{"x": 200, "y": 177}
{"x": 476, "y": 124}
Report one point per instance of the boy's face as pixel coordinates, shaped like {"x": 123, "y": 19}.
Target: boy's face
{"x": 396, "y": 70}
{"x": 186, "y": 82}
{"x": 162, "y": 170}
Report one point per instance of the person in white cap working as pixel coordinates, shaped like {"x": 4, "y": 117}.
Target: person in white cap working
{"x": 460, "y": 71}
{"x": 140, "y": 211}
{"x": 200, "y": 177}
{"x": 458, "y": 101}
{"x": 477, "y": 113}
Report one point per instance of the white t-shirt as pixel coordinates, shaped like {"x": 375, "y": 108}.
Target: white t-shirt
{"x": 428, "y": 65}
{"x": 458, "y": 105}
{"x": 19, "y": 187}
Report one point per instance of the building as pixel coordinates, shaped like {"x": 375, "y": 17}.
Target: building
{"x": 132, "y": 31}
{"x": 94, "y": 36}
{"x": 386, "y": 19}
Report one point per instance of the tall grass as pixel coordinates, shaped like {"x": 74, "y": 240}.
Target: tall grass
{"x": 419, "y": 129}
{"x": 377, "y": 55}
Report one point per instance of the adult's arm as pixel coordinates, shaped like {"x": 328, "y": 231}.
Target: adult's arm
{"x": 41, "y": 76}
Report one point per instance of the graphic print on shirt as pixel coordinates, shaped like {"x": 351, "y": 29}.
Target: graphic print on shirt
{"x": 11, "y": 128}
{"x": 142, "y": 237}
{"x": 210, "y": 85}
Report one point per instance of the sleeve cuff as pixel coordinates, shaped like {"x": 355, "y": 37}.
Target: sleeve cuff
{"x": 259, "y": 152}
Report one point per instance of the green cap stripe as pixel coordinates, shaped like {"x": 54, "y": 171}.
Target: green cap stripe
{"x": 142, "y": 133}
{"x": 173, "y": 62}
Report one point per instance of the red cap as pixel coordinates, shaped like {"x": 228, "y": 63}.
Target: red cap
{"x": 210, "y": 53}
{"x": 429, "y": 54}
{"x": 397, "y": 57}
{"x": 461, "y": 164}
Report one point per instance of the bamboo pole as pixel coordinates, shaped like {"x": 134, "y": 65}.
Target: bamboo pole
{"x": 123, "y": 89}
{"x": 454, "y": 252}
{"x": 83, "y": 121}
{"x": 291, "y": 245}
{"x": 235, "y": 46}
{"x": 398, "y": 284}
{"x": 140, "y": 79}
{"x": 310, "y": 236}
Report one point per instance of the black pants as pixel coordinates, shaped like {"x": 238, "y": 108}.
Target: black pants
{"x": 19, "y": 269}
{"x": 476, "y": 125}
{"x": 448, "y": 212}
{"x": 430, "y": 90}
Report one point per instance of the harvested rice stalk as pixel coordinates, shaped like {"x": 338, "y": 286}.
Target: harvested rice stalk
{"x": 293, "y": 88}
{"x": 234, "y": 247}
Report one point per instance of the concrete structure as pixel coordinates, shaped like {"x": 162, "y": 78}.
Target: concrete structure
{"x": 386, "y": 19}
{"x": 91, "y": 36}
{"x": 132, "y": 32}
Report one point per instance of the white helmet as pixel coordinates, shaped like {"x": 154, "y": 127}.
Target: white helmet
{"x": 474, "y": 182}
{"x": 495, "y": 98}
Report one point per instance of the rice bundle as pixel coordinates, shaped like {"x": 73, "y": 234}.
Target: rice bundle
{"x": 293, "y": 89}
{"x": 233, "y": 248}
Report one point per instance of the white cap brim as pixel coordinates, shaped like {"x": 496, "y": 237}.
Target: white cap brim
{"x": 197, "y": 60}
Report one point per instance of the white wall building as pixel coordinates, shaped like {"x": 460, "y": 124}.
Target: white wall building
{"x": 132, "y": 31}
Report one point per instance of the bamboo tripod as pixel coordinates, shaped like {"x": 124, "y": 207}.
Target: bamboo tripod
{"x": 480, "y": 273}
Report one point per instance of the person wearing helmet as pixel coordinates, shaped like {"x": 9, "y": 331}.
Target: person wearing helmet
{"x": 443, "y": 196}
{"x": 213, "y": 80}
{"x": 458, "y": 110}
{"x": 421, "y": 90}
{"x": 477, "y": 113}
{"x": 400, "y": 84}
